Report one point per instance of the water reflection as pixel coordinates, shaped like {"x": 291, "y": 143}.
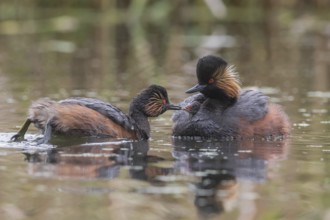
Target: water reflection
{"x": 224, "y": 168}
{"x": 94, "y": 160}
{"x": 220, "y": 176}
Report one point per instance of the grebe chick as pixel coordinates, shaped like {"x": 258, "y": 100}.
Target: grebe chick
{"x": 225, "y": 110}
{"x": 79, "y": 116}
{"x": 193, "y": 107}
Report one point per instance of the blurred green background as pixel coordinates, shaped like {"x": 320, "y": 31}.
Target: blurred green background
{"x": 113, "y": 49}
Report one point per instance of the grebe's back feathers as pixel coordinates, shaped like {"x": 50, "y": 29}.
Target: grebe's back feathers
{"x": 251, "y": 105}
{"x": 106, "y": 109}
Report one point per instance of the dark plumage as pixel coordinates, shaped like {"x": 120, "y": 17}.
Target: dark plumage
{"x": 221, "y": 109}
{"x": 79, "y": 116}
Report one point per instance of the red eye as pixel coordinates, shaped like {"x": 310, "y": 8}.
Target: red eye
{"x": 211, "y": 81}
{"x": 164, "y": 101}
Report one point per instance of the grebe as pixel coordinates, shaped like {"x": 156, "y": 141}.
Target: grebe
{"x": 79, "y": 116}
{"x": 223, "y": 110}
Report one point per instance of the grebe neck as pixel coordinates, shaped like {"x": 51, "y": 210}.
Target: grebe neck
{"x": 220, "y": 96}
{"x": 141, "y": 124}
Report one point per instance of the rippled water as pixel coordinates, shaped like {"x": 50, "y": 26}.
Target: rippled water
{"x": 60, "y": 51}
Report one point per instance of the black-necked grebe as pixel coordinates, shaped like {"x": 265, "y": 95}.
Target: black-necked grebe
{"x": 79, "y": 116}
{"x": 221, "y": 109}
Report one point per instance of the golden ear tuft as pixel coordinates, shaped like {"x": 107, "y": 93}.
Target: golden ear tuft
{"x": 155, "y": 105}
{"x": 228, "y": 80}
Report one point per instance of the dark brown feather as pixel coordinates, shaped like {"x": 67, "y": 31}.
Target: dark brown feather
{"x": 74, "y": 119}
{"x": 78, "y": 119}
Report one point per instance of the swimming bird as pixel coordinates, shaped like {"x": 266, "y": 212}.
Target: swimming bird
{"x": 79, "y": 116}
{"x": 223, "y": 110}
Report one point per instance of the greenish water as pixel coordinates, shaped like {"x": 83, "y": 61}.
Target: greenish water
{"x": 112, "y": 50}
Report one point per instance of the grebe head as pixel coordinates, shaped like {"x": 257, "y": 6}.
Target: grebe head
{"x": 153, "y": 101}
{"x": 192, "y": 108}
{"x": 216, "y": 79}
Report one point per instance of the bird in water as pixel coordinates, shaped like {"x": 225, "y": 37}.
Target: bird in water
{"x": 223, "y": 110}
{"x": 78, "y": 116}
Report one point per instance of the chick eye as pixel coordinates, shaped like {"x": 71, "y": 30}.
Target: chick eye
{"x": 210, "y": 81}
{"x": 164, "y": 101}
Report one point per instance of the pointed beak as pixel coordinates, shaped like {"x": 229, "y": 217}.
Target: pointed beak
{"x": 196, "y": 88}
{"x": 172, "y": 107}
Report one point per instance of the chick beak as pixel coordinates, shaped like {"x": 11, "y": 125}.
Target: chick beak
{"x": 172, "y": 107}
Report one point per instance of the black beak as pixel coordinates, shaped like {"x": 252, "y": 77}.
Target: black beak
{"x": 172, "y": 107}
{"x": 196, "y": 88}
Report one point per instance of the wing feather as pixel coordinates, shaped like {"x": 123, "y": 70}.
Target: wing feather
{"x": 108, "y": 110}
